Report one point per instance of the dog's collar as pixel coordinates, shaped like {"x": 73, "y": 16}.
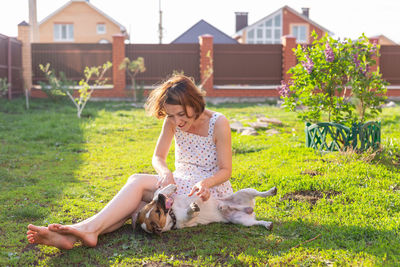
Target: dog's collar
{"x": 173, "y": 217}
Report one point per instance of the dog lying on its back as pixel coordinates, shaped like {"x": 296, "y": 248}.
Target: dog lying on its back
{"x": 164, "y": 213}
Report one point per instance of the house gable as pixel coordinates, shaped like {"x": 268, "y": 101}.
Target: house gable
{"x": 200, "y": 28}
{"x": 84, "y": 17}
{"x": 266, "y": 30}
{"x": 384, "y": 40}
{"x": 293, "y": 19}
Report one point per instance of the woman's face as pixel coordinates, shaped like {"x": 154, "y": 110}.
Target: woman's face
{"x": 177, "y": 114}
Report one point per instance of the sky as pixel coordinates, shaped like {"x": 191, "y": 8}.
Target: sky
{"x": 344, "y": 18}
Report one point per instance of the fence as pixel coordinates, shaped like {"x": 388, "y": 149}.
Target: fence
{"x": 162, "y": 60}
{"x": 247, "y": 64}
{"x": 239, "y": 70}
{"x": 389, "y": 63}
{"x": 70, "y": 59}
{"x": 11, "y": 64}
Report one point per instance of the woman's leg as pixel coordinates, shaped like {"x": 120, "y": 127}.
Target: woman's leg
{"x": 111, "y": 217}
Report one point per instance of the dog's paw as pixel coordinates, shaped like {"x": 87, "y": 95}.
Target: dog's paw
{"x": 194, "y": 207}
{"x": 269, "y": 225}
{"x": 273, "y": 190}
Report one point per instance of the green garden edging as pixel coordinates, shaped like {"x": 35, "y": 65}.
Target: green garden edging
{"x": 331, "y": 136}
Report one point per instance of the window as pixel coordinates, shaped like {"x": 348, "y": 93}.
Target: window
{"x": 266, "y": 32}
{"x": 277, "y": 34}
{"x": 250, "y": 36}
{"x": 101, "y": 28}
{"x": 300, "y": 32}
{"x": 63, "y": 32}
{"x": 104, "y": 41}
{"x": 259, "y": 33}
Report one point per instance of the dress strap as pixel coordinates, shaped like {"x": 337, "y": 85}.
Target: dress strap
{"x": 213, "y": 119}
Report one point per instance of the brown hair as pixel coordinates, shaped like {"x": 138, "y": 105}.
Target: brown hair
{"x": 178, "y": 90}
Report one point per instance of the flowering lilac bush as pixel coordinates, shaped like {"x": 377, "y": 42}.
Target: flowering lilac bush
{"x": 334, "y": 78}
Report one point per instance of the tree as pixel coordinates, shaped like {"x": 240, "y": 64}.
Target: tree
{"x": 133, "y": 68}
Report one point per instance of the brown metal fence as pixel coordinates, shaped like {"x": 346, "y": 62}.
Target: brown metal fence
{"x": 247, "y": 64}
{"x": 389, "y": 63}
{"x": 70, "y": 59}
{"x": 11, "y": 64}
{"x": 162, "y": 60}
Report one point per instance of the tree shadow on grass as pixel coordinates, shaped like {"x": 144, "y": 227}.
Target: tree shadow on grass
{"x": 39, "y": 153}
{"x": 228, "y": 244}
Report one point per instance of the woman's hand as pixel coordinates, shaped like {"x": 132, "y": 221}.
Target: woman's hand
{"x": 202, "y": 189}
{"x": 166, "y": 178}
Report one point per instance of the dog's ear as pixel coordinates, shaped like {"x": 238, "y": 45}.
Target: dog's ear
{"x": 161, "y": 201}
{"x": 156, "y": 229}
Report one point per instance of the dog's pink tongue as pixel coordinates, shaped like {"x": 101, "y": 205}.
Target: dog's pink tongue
{"x": 168, "y": 203}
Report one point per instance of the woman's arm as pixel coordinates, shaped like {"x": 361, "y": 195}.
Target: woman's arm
{"x": 223, "y": 142}
{"x": 161, "y": 153}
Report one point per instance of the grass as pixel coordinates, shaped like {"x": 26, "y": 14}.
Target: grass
{"x": 336, "y": 208}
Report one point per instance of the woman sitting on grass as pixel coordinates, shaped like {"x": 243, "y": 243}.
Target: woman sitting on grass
{"x": 203, "y": 165}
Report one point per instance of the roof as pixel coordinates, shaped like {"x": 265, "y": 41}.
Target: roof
{"x": 291, "y": 10}
{"x": 200, "y": 28}
{"x": 383, "y": 39}
{"x": 122, "y": 28}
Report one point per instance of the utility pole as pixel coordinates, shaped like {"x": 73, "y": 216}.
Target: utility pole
{"x": 160, "y": 28}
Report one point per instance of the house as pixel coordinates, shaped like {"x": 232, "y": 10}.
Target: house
{"x": 383, "y": 40}
{"x": 78, "y": 21}
{"x": 270, "y": 29}
{"x": 200, "y": 28}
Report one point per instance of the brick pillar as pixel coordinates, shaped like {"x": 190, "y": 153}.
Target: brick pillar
{"x": 25, "y": 37}
{"x": 118, "y": 55}
{"x": 375, "y": 40}
{"x": 288, "y": 56}
{"x": 206, "y": 63}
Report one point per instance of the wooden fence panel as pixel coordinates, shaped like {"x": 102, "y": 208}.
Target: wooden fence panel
{"x": 70, "y": 59}
{"x": 11, "y": 64}
{"x": 161, "y": 60}
{"x": 3, "y": 56}
{"x": 250, "y": 64}
{"x": 389, "y": 63}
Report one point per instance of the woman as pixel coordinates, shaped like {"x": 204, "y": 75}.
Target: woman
{"x": 203, "y": 164}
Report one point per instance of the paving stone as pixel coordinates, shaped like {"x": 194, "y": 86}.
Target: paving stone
{"x": 259, "y": 125}
{"x": 236, "y": 125}
{"x": 391, "y": 104}
{"x": 271, "y": 132}
{"x": 271, "y": 121}
{"x": 241, "y": 130}
{"x": 250, "y": 132}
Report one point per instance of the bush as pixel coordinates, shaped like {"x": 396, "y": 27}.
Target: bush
{"x": 334, "y": 78}
{"x": 56, "y": 87}
{"x": 3, "y": 87}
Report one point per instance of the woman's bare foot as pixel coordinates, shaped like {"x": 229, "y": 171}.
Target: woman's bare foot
{"x": 88, "y": 238}
{"x": 42, "y": 235}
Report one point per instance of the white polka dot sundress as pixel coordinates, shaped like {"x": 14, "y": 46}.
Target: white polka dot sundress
{"x": 196, "y": 160}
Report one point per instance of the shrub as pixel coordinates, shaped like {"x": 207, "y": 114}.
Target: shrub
{"x": 86, "y": 90}
{"x": 61, "y": 86}
{"x": 55, "y": 87}
{"x": 133, "y": 68}
{"x": 3, "y": 87}
{"x": 327, "y": 70}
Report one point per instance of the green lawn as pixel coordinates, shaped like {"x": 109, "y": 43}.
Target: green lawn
{"x": 336, "y": 208}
